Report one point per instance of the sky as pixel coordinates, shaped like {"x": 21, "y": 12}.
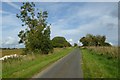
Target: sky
{"x": 60, "y": 0}
{"x": 72, "y": 20}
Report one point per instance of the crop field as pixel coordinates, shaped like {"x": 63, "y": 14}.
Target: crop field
{"x": 30, "y": 64}
{"x": 10, "y": 52}
{"x": 100, "y": 62}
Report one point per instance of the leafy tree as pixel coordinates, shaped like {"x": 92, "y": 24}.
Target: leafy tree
{"x": 60, "y": 42}
{"x": 36, "y": 36}
{"x": 75, "y": 44}
{"x": 84, "y": 41}
{"x": 107, "y": 44}
{"x": 100, "y": 39}
{"x": 68, "y": 44}
{"x": 91, "y": 40}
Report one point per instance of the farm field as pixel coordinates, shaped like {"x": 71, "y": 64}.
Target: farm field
{"x": 31, "y": 64}
{"x": 19, "y": 51}
{"x": 10, "y": 52}
{"x": 100, "y": 62}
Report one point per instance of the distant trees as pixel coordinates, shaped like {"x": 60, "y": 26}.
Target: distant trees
{"x": 36, "y": 36}
{"x": 91, "y": 40}
{"x": 60, "y": 42}
{"x": 75, "y": 44}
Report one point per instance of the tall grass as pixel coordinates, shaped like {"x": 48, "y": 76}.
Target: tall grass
{"x": 110, "y": 52}
{"x": 0, "y": 64}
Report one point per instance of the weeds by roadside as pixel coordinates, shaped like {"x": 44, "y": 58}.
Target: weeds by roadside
{"x": 96, "y": 65}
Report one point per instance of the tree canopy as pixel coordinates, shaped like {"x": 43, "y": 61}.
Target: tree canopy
{"x": 60, "y": 42}
{"x": 75, "y": 44}
{"x": 91, "y": 40}
{"x": 36, "y": 36}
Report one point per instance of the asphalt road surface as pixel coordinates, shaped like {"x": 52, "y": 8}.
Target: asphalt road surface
{"x": 67, "y": 67}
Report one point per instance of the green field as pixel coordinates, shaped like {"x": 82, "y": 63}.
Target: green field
{"x": 30, "y": 65}
{"x": 96, "y": 65}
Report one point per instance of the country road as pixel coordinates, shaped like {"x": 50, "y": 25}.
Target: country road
{"x": 67, "y": 67}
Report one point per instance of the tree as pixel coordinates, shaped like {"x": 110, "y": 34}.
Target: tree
{"x": 60, "y": 42}
{"x": 107, "y": 44}
{"x": 100, "y": 39}
{"x": 75, "y": 44}
{"x": 91, "y": 40}
{"x": 84, "y": 41}
{"x": 36, "y": 36}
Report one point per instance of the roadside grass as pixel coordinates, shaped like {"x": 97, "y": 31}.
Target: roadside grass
{"x": 98, "y": 66}
{"x": 31, "y": 64}
{"x": 110, "y": 52}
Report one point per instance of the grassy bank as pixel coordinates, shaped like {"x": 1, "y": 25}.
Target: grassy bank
{"x": 31, "y": 64}
{"x": 96, "y": 65}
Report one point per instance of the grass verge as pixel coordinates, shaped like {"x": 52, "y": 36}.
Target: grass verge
{"x": 98, "y": 66}
{"x": 31, "y": 64}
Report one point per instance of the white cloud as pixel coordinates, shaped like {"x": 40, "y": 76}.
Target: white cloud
{"x": 10, "y": 29}
{"x": 10, "y": 41}
{"x": 80, "y": 44}
{"x": 102, "y": 22}
{"x": 70, "y": 40}
{"x": 99, "y": 26}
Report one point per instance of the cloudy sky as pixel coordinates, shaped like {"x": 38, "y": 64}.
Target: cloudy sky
{"x": 71, "y": 20}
